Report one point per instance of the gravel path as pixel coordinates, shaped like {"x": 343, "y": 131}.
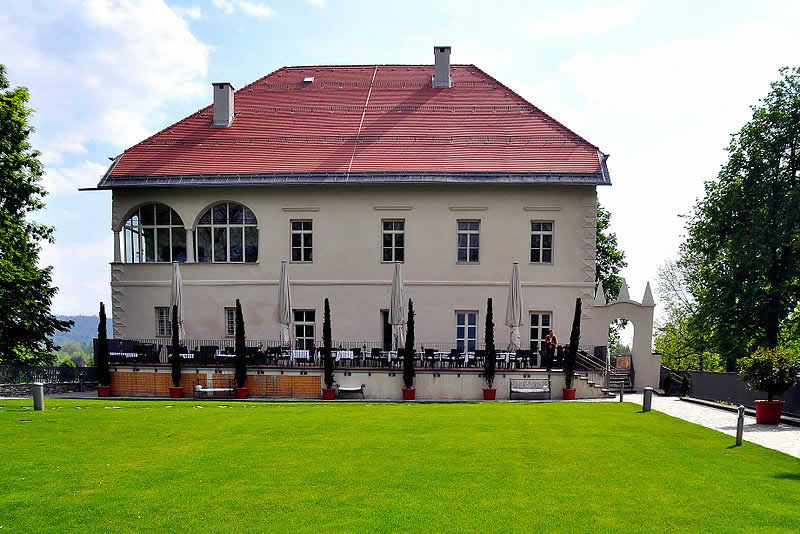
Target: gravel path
{"x": 784, "y": 438}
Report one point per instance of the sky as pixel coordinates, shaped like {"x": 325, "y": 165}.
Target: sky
{"x": 659, "y": 86}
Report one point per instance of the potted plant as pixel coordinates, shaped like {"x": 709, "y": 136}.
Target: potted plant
{"x": 328, "y": 392}
{"x": 774, "y": 371}
{"x": 101, "y": 357}
{"x": 572, "y": 353}
{"x": 176, "y": 391}
{"x": 240, "y": 359}
{"x": 409, "y": 392}
{"x": 490, "y": 356}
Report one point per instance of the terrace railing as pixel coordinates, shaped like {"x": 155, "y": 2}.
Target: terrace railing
{"x": 25, "y": 374}
{"x": 265, "y": 352}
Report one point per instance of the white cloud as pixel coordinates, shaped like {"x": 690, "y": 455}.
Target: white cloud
{"x": 224, "y": 5}
{"x": 318, "y": 3}
{"x": 67, "y": 180}
{"x": 576, "y": 23}
{"x": 81, "y": 274}
{"x": 191, "y": 13}
{"x": 253, "y": 9}
{"x": 100, "y": 73}
{"x": 256, "y": 9}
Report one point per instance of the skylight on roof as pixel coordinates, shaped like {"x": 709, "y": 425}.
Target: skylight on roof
{"x": 308, "y": 79}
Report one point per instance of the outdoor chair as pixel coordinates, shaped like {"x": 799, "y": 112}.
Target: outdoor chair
{"x": 524, "y": 359}
{"x": 356, "y": 356}
{"x": 480, "y": 357}
{"x": 429, "y": 357}
{"x": 206, "y": 354}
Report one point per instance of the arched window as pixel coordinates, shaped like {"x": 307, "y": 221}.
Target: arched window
{"x": 154, "y": 233}
{"x": 227, "y": 233}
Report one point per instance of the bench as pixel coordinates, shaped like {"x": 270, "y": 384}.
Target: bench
{"x": 351, "y": 389}
{"x": 540, "y": 387}
{"x": 208, "y": 391}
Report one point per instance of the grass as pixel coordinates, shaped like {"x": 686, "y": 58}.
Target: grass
{"x": 310, "y": 467}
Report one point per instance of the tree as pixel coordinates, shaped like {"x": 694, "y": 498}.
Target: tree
{"x": 490, "y": 354}
{"x": 177, "y": 359}
{"x": 572, "y": 350}
{"x": 609, "y": 261}
{"x": 327, "y": 355}
{"x": 409, "y": 372}
{"x": 744, "y": 234}
{"x": 240, "y": 359}
{"x": 101, "y": 355}
{"x": 26, "y": 291}
{"x": 772, "y": 370}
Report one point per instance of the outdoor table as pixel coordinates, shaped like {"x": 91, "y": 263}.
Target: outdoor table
{"x": 125, "y": 354}
{"x": 391, "y": 354}
{"x": 505, "y": 356}
{"x": 187, "y": 356}
{"x": 346, "y": 354}
{"x": 299, "y": 354}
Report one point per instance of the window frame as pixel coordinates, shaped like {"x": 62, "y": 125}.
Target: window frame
{"x": 542, "y": 248}
{"x": 302, "y": 233}
{"x": 394, "y": 233}
{"x": 542, "y": 333}
{"x": 226, "y": 226}
{"x": 465, "y": 339}
{"x": 226, "y": 322}
{"x": 468, "y": 247}
{"x": 164, "y": 321}
{"x": 305, "y": 323}
{"x": 135, "y": 232}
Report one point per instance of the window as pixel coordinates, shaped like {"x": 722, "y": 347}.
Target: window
{"x": 227, "y": 233}
{"x": 304, "y": 329}
{"x": 540, "y": 326}
{"x": 394, "y": 233}
{"x": 154, "y": 233}
{"x": 466, "y": 330}
{"x": 230, "y": 322}
{"x": 163, "y": 322}
{"x": 541, "y": 242}
{"x": 301, "y": 241}
{"x": 468, "y": 241}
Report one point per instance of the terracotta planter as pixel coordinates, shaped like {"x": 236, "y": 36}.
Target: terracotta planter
{"x": 569, "y": 393}
{"x": 768, "y": 412}
{"x": 409, "y": 393}
{"x": 489, "y": 394}
{"x": 103, "y": 391}
{"x": 241, "y": 393}
{"x": 175, "y": 392}
{"x": 328, "y": 393}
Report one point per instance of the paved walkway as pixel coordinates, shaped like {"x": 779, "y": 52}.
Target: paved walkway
{"x": 784, "y": 438}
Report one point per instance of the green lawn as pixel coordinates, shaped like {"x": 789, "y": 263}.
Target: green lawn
{"x": 81, "y": 465}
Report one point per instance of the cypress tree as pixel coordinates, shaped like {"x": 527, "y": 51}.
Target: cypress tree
{"x": 101, "y": 355}
{"x": 490, "y": 354}
{"x": 240, "y": 360}
{"x": 327, "y": 355}
{"x": 409, "y": 372}
{"x": 572, "y": 351}
{"x": 176, "y": 353}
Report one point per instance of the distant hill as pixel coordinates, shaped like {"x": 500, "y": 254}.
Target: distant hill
{"x": 84, "y": 331}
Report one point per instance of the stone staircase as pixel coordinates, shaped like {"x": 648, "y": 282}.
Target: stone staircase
{"x": 619, "y": 378}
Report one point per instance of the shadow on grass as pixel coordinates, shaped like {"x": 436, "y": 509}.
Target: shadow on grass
{"x": 788, "y": 476}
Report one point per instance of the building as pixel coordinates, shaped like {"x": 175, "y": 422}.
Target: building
{"x": 342, "y": 171}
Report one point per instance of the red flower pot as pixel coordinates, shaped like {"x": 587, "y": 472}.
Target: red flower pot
{"x": 175, "y": 392}
{"x": 768, "y": 412}
{"x": 328, "y": 393}
{"x": 241, "y": 393}
{"x": 569, "y": 393}
{"x": 409, "y": 393}
{"x": 489, "y": 394}
{"x": 103, "y": 391}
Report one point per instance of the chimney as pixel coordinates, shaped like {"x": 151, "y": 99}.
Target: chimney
{"x": 441, "y": 67}
{"x": 223, "y": 105}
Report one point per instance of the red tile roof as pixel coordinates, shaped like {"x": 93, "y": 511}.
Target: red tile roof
{"x": 366, "y": 120}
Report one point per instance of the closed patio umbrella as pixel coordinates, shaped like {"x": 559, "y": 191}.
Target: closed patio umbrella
{"x": 285, "y": 306}
{"x": 397, "y": 308}
{"x": 514, "y": 307}
{"x": 176, "y": 298}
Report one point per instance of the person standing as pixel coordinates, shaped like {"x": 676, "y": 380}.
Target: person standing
{"x": 550, "y": 343}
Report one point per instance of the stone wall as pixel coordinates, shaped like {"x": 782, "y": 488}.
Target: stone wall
{"x": 24, "y": 390}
